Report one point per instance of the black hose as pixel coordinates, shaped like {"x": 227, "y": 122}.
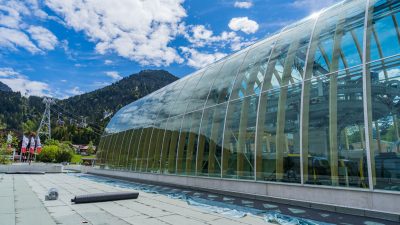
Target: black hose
{"x": 103, "y": 197}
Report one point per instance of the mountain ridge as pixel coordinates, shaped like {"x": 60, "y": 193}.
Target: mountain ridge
{"x": 4, "y": 87}
{"x": 21, "y": 113}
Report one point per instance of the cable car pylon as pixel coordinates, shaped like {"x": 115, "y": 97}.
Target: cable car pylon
{"x": 45, "y": 123}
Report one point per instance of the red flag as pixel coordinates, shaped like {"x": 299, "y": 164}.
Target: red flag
{"x": 38, "y": 145}
{"x": 32, "y": 146}
{"x": 25, "y": 142}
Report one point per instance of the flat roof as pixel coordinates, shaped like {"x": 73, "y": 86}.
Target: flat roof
{"x": 22, "y": 201}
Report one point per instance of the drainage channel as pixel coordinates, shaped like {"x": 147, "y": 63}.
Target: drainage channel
{"x": 239, "y": 207}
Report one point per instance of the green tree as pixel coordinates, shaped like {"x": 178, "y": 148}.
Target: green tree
{"x": 90, "y": 149}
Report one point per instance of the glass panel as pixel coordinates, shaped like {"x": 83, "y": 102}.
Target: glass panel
{"x": 143, "y": 147}
{"x": 181, "y": 103}
{"x": 210, "y": 141}
{"x": 124, "y": 157}
{"x": 122, "y": 120}
{"x": 384, "y": 31}
{"x": 100, "y": 150}
{"x": 337, "y": 40}
{"x": 200, "y": 93}
{"x": 114, "y": 150}
{"x": 333, "y": 130}
{"x": 135, "y": 148}
{"x": 131, "y": 151}
{"x": 173, "y": 104}
{"x": 288, "y": 57}
{"x": 121, "y": 145}
{"x": 173, "y": 147}
{"x": 106, "y": 153}
{"x": 165, "y": 146}
{"x": 186, "y": 160}
{"x": 239, "y": 141}
{"x": 146, "y": 147}
{"x": 155, "y": 168}
{"x": 252, "y": 72}
{"x": 278, "y": 156}
{"x": 170, "y": 145}
{"x": 221, "y": 89}
{"x": 152, "y": 146}
{"x": 385, "y": 144}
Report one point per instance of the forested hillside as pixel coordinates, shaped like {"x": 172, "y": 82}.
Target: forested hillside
{"x": 23, "y": 114}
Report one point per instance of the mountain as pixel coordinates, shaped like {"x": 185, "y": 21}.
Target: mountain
{"x": 4, "y": 87}
{"x": 93, "y": 105}
{"x": 24, "y": 114}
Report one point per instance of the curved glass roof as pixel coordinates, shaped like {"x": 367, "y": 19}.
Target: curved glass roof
{"x": 215, "y": 83}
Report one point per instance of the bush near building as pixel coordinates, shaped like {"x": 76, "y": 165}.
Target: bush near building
{"x": 54, "y": 151}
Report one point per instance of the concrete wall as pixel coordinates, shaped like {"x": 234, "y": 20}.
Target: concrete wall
{"x": 376, "y": 204}
{"x": 36, "y": 167}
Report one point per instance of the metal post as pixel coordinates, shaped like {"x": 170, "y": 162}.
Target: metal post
{"x": 366, "y": 95}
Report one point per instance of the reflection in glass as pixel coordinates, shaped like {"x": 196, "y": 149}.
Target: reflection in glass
{"x": 278, "y": 156}
{"x": 252, "y": 72}
{"x": 383, "y": 32}
{"x": 277, "y": 91}
{"x": 186, "y": 158}
{"x": 335, "y": 145}
{"x": 210, "y": 141}
{"x": 239, "y": 140}
{"x": 200, "y": 93}
{"x": 385, "y": 141}
{"x": 221, "y": 88}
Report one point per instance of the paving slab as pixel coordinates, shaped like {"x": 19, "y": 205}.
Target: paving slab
{"x": 151, "y": 209}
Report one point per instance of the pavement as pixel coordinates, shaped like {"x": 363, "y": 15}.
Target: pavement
{"x": 22, "y": 202}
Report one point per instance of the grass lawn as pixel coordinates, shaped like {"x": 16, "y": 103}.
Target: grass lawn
{"x": 76, "y": 158}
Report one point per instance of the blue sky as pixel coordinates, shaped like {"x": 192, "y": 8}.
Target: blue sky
{"x": 62, "y": 48}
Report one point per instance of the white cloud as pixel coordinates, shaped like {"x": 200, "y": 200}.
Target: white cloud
{"x": 243, "y": 24}
{"x": 201, "y": 36}
{"x": 312, "y": 5}
{"x": 17, "y": 33}
{"x": 134, "y": 29}
{"x": 64, "y": 81}
{"x": 114, "y": 75}
{"x": 198, "y": 59}
{"x": 20, "y": 83}
{"x": 11, "y": 39}
{"x": 243, "y": 4}
{"x": 108, "y": 62}
{"x": 43, "y": 37}
{"x": 75, "y": 91}
{"x": 14, "y": 29}
{"x": 8, "y": 72}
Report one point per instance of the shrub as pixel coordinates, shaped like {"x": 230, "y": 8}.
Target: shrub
{"x": 4, "y": 158}
{"x": 65, "y": 153}
{"x": 49, "y": 153}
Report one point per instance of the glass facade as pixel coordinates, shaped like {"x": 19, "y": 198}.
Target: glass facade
{"x": 316, "y": 104}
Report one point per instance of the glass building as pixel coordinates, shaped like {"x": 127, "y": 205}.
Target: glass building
{"x": 317, "y": 103}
